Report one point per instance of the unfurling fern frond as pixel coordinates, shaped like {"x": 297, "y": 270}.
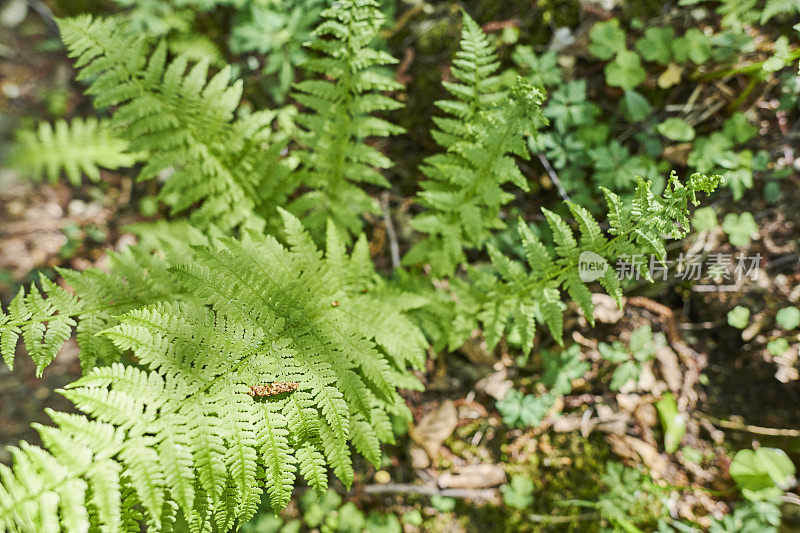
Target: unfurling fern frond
{"x": 336, "y": 160}
{"x": 190, "y": 429}
{"x": 185, "y": 122}
{"x": 512, "y": 296}
{"x": 463, "y": 194}
{"x": 80, "y": 147}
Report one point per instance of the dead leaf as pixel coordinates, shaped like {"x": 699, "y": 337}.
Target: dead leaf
{"x": 677, "y": 153}
{"x": 670, "y": 368}
{"x": 419, "y": 459}
{"x": 478, "y": 476}
{"x": 435, "y": 427}
{"x": 635, "y": 449}
{"x": 476, "y": 350}
{"x": 606, "y": 309}
{"x": 496, "y": 385}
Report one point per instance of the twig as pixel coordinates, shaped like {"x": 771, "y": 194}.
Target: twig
{"x": 747, "y": 428}
{"x": 553, "y": 177}
{"x": 44, "y": 12}
{"x": 408, "y": 488}
{"x": 394, "y": 248}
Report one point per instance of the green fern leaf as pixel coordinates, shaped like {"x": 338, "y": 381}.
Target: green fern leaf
{"x": 80, "y": 147}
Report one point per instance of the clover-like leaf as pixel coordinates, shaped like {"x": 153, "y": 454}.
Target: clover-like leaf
{"x": 606, "y": 39}
{"x": 740, "y": 228}
{"x": 788, "y": 318}
{"x": 627, "y": 371}
{"x": 625, "y": 71}
{"x": 705, "y": 219}
{"x": 656, "y": 45}
{"x": 518, "y": 493}
{"x": 778, "y": 347}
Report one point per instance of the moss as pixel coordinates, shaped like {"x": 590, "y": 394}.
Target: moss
{"x": 565, "y": 467}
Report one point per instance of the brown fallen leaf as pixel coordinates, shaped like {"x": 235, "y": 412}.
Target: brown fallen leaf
{"x": 419, "y": 458}
{"x": 496, "y": 385}
{"x": 476, "y": 349}
{"x": 434, "y": 428}
{"x": 478, "y": 476}
{"x": 670, "y": 368}
{"x": 606, "y": 309}
{"x": 677, "y": 153}
{"x": 636, "y": 449}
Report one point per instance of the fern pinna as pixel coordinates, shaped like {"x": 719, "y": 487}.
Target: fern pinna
{"x": 184, "y": 430}
{"x": 80, "y": 147}
{"x": 486, "y": 126}
{"x": 336, "y": 160}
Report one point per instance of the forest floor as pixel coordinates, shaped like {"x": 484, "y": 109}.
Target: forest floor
{"x": 737, "y": 393}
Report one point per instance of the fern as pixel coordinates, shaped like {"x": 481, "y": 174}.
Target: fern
{"x": 336, "y": 158}
{"x": 485, "y": 128}
{"x": 512, "y": 297}
{"x": 80, "y": 147}
{"x": 188, "y": 430}
{"x": 215, "y": 366}
{"x": 185, "y": 123}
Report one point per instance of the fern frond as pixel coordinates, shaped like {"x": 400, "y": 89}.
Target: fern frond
{"x": 186, "y": 122}
{"x": 485, "y": 129}
{"x": 514, "y": 297}
{"x": 44, "y": 318}
{"x": 80, "y": 147}
{"x": 186, "y": 429}
{"x": 335, "y": 159}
